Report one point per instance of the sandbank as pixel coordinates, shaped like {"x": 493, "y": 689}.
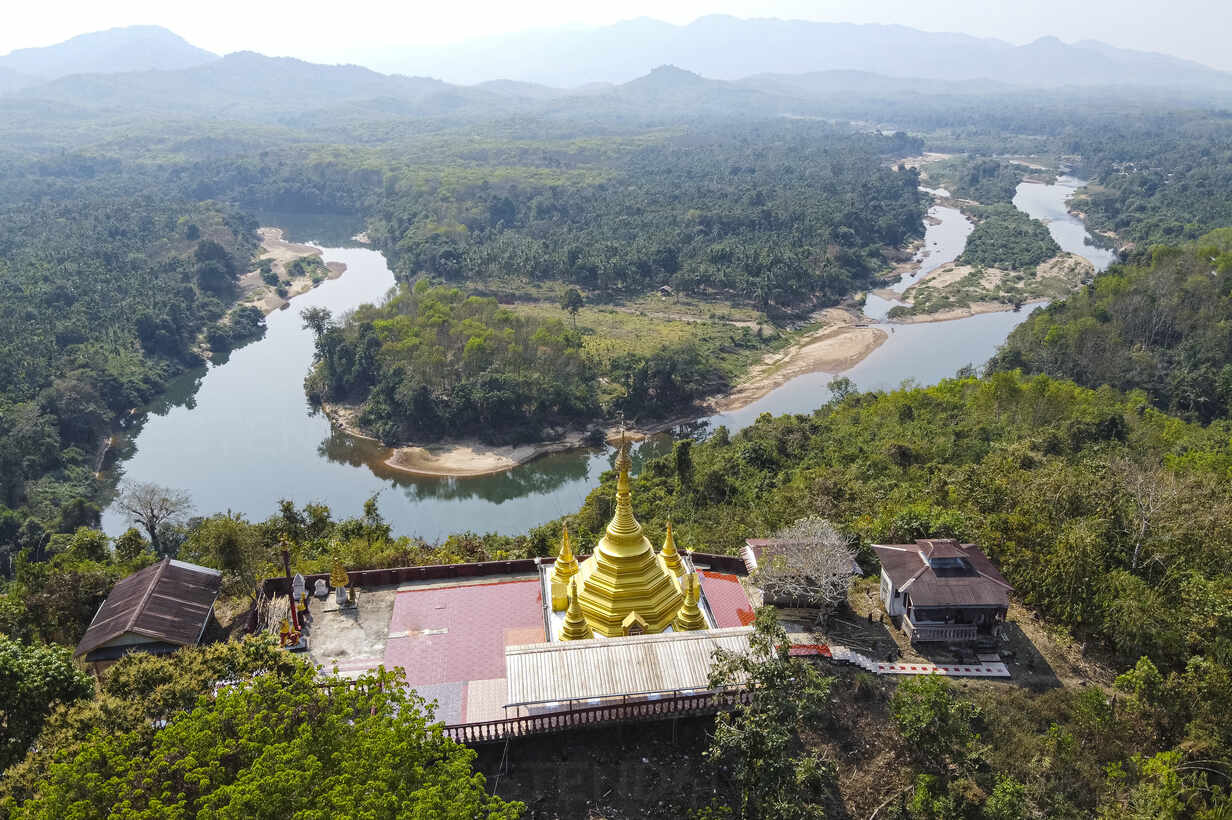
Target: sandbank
{"x": 832, "y": 349}
{"x": 472, "y": 458}
{"x": 951, "y": 314}
{"x": 281, "y": 253}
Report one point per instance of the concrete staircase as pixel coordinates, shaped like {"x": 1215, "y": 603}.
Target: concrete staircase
{"x": 982, "y": 669}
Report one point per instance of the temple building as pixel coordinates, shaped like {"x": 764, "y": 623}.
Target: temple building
{"x": 625, "y": 587}
{"x": 616, "y": 624}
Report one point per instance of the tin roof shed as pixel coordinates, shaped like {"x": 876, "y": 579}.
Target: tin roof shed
{"x": 614, "y": 667}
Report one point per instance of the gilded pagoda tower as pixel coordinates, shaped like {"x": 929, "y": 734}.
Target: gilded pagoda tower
{"x": 624, "y": 587}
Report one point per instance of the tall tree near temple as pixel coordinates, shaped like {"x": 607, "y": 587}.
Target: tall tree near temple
{"x": 271, "y": 747}
{"x": 758, "y": 748}
{"x": 152, "y": 507}
{"x": 811, "y": 562}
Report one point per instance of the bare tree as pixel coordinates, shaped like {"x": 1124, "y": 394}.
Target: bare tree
{"x": 1153, "y": 492}
{"x": 153, "y": 507}
{"x": 809, "y": 561}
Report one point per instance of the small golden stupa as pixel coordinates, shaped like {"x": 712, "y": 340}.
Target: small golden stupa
{"x": 690, "y": 616}
{"x": 624, "y": 587}
{"x": 670, "y": 556}
{"x": 566, "y": 565}
{"x": 575, "y": 627}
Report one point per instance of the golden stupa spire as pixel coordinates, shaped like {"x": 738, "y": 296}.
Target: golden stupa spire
{"x": 624, "y": 576}
{"x": 623, "y": 530}
{"x": 690, "y": 616}
{"x": 566, "y": 565}
{"x": 670, "y": 556}
{"x": 575, "y": 628}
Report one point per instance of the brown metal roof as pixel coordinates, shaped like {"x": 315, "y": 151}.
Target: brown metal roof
{"x": 169, "y": 602}
{"x": 909, "y": 570}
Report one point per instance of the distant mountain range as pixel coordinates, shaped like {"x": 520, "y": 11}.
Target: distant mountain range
{"x": 760, "y": 65}
{"x": 729, "y": 48}
{"x": 135, "y": 48}
{"x": 237, "y": 84}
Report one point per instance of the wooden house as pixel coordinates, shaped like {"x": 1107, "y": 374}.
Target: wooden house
{"x": 938, "y": 590}
{"x": 158, "y": 609}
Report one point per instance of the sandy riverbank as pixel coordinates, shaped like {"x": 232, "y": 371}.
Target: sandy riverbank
{"x": 281, "y": 253}
{"x": 452, "y": 459}
{"x": 840, "y": 345}
{"x": 460, "y": 459}
{"x": 972, "y": 309}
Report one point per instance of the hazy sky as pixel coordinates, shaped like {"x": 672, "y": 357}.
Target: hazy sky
{"x": 333, "y": 31}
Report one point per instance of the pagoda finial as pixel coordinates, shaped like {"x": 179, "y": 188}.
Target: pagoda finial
{"x": 623, "y": 526}
{"x": 576, "y": 627}
{"x": 690, "y": 616}
{"x": 671, "y": 557}
{"x": 566, "y": 565}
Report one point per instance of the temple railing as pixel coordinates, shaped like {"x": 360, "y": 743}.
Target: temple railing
{"x": 369, "y": 578}
{"x": 565, "y": 720}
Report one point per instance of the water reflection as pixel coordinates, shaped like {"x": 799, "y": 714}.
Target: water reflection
{"x": 543, "y": 475}
{"x": 328, "y": 230}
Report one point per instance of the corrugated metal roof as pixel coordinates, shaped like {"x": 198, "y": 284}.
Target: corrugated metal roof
{"x": 756, "y": 550}
{"x": 607, "y": 667}
{"x": 169, "y": 601}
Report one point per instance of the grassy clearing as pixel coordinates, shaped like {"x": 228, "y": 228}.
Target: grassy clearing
{"x": 733, "y": 344}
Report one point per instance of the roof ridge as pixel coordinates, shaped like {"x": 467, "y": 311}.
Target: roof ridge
{"x": 137, "y": 610}
{"x": 915, "y": 577}
{"x": 1003, "y": 583}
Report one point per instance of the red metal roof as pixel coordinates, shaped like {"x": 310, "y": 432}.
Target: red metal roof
{"x": 728, "y": 601}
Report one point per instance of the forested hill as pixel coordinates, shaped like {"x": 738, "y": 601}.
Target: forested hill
{"x": 104, "y": 299}
{"x": 783, "y": 212}
{"x": 1108, "y": 517}
{"x": 1162, "y": 177}
{"x": 1162, "y": 325}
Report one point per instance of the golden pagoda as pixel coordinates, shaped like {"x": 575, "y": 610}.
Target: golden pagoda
{"x": 670, "y": 556}
{"x": 575, "y": 628}
{"x": 624, "y": 576}
{"x": 690, "y": 616}
{"x": 566, "y": 565}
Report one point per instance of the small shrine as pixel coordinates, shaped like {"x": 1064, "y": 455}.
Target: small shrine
{"x": 624, "y": 588}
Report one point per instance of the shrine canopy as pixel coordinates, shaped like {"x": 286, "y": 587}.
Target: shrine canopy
{"x": 614, "y": 667}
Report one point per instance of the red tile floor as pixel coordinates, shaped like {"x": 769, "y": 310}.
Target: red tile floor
{"x": 451, "y": 641}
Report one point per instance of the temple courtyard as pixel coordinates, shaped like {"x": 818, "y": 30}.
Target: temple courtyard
{"x": 451, "y": 638}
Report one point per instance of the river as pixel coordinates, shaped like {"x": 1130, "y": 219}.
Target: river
{"x": 241, "y": 436}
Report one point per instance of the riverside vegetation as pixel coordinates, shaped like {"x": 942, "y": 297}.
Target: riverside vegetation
{"x": 1105, "y": 503}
